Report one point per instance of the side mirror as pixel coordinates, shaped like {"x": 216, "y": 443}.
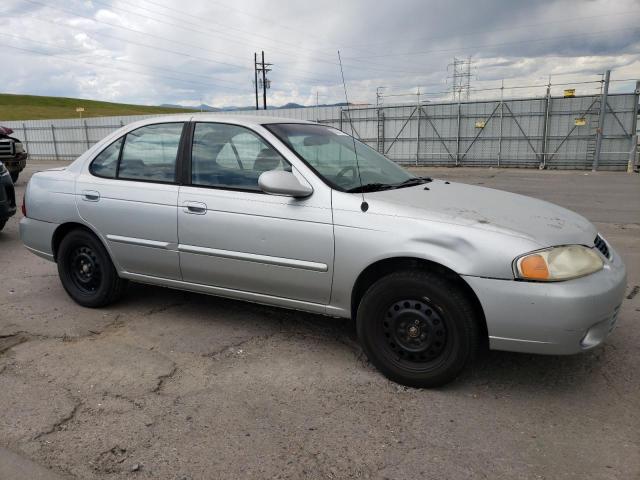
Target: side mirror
{"x": 279, "y": 182}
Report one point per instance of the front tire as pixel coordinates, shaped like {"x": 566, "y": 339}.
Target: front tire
{"x": 3, "y": 222}
{"x": 14, "y": 176}
{"x": 418, "y": 328}
{"x": 86, "y": 271}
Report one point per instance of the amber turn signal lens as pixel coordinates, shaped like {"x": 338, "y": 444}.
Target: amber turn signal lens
{"x": 534, "y": 267}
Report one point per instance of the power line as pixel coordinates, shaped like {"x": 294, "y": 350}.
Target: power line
{"x": 429, "y": 52}
{"x": 269, "y": 21}
{"x": 515, "y": 27}
{"x": 140, "y": 32}
{"x": 207, "y": 30}
{"x": 329, "y": 62}
{"x": 48, "y": 54}
{"x": 124, "y": 61}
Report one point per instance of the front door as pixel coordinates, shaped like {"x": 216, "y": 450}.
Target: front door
{"x": 130, "y": 196}
{"x": 234, "y": 236}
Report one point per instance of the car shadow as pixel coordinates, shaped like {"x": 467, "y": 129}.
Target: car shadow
{"x": 491, "y": 370}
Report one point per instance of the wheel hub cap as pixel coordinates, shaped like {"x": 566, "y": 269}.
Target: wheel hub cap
{"x": 85, "y": 269}
{"x": 415, "y": 330}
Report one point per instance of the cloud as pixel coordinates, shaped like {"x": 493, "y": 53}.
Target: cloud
{"x": 156, "y": 51}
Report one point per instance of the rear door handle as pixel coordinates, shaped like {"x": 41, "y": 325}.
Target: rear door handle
{"x": 195, "y": 208}
{"x": 90, "y": 195}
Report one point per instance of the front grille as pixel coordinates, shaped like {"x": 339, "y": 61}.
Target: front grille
{"x": 601, "y": 245}
{"x": 6, "y": 148}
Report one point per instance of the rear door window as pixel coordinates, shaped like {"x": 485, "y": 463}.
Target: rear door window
{"x": 150, "y": 153}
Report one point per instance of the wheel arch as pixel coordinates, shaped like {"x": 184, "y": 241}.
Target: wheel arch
{"x": 386, "y": 266}
{"x": 63, "y": 229}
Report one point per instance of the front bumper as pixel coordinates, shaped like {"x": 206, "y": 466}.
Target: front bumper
{"x": 557, "y": 318}
{"x": 17, "y": 163}
{"x": 7, "y": 197}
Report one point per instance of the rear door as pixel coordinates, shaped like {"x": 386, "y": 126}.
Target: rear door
{"x": 129, "y": 195}
{"x": 232, "y": 235}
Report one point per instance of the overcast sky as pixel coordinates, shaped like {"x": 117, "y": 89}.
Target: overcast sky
{"x": 193, "y": 51}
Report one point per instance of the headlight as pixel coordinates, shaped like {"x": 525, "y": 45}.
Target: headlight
{"x": 558, "y": 263}
{"x": 19, "y": 147}
{"x": 3, "y": 169}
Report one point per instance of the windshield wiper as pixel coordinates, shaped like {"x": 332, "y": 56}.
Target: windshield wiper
{"x": 410, "y": 182}
{"x": 376, "y": 187}
{"x": 370, "y": 187}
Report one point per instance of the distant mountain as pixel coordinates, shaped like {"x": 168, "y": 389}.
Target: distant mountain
{"x": 232, "y": 108}
{"x": 291, "y": 105}
{"x": 202, "y": 107}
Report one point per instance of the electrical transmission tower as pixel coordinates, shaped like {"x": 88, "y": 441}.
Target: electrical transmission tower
{"x": 260, "y": 70}
{"x": 460, "y": 78}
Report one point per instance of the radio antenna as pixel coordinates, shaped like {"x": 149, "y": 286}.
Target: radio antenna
{"x": 364, "y": 206}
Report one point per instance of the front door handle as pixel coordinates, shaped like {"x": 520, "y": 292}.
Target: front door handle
{"x": 195, "y": 208}
{"x": 90, "y": 195}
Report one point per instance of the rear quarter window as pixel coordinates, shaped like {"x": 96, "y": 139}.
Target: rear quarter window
{"x": 106, "y": 163}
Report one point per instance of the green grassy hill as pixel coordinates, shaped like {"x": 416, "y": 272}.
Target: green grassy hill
{"x": 32, "y": 107}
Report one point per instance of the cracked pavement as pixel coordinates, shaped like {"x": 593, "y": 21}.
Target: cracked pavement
{"x": 174, "y": 385}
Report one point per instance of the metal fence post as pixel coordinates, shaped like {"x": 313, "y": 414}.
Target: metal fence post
{"x": 418, "y": 134}
{"x": 633, "y": 160}
{"x": 341, "y": 119}
{"x": 381, "y": 131}
{"x": 601, "y": 118}
{"x": 378, "y": 126}
{"x": 458, "y": 138}
{"x": 633, "y": 154}
{"x": 545, "y": 127}
{"x": 55, "y": 145}
{"x": 86, "y": 134}
{"x": 26, "y": 140}
{"x": 501, "y": 117}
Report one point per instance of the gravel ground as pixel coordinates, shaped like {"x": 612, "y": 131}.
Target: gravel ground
{"x": 173, "y": 385}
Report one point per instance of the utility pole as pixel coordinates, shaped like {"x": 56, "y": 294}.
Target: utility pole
{"x": 264, "y": 84}
{"x": 261, "y": 68}
{"x": 255, "y": 74}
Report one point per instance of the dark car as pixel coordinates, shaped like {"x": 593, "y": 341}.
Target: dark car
{"x": 7, "y": 196}
{"x": 12, "y": 153}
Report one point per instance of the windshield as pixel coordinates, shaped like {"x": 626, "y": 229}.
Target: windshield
{"x": 330, "y": 153}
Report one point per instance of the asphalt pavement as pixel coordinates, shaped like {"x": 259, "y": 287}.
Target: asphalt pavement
{"x": 174, "y": 385}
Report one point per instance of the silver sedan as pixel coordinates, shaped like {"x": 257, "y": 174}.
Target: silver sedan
{"x": 303, "y": 216}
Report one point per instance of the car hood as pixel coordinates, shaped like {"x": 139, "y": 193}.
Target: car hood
{"x": 485, "y": 208}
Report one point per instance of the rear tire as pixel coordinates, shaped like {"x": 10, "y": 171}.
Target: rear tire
{"x": 14, "y": 176}
{"x": 418, "y": 328}
{"x": 86, "y": 271}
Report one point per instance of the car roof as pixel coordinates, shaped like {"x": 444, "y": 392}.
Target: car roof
{"x": 246, "y": 120}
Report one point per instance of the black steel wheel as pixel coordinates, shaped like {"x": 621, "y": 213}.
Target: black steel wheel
{"x": 86, "y": 271}
{"x": 417, "y": 328}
